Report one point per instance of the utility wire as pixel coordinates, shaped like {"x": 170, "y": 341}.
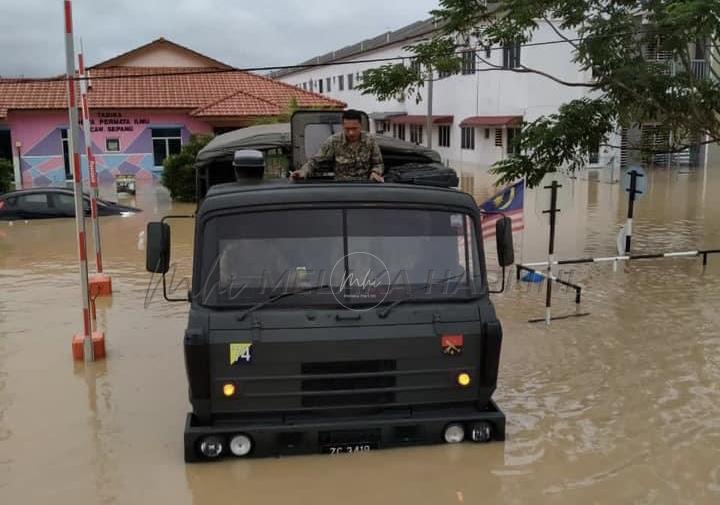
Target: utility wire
{"x": 303, "y": 66}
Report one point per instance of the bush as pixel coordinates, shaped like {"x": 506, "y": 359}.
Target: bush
{"x": 179, "y": 172}
{"x": 284, "y": 117}
{"x": 7, "y": 176}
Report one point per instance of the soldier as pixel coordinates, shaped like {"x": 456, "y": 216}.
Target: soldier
{"x": 355, "y": 154}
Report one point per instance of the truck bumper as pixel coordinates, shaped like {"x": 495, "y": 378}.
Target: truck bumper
{"x": 297, "y": 435}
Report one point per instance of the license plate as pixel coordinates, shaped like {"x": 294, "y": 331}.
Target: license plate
{"x": 349, "y": 448}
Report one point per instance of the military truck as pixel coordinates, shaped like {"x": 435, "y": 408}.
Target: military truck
{"x": 336, "y": 318}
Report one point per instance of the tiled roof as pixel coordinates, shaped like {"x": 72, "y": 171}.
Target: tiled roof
{"x": 491, "y": 120}
{"x": 405, "y": 34}
{"x": 237, "y": 101}
{"x": 225, "y": 93}
{"x": 421, "y": 120}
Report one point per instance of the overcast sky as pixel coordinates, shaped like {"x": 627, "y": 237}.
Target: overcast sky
{"x": 238, "y": 32}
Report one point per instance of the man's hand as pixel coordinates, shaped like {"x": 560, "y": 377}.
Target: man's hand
{"x": 296, "y": 175}
{"x": 375, "y": 177}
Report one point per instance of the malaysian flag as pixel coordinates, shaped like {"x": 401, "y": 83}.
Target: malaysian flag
{"x": 508, "y": 202}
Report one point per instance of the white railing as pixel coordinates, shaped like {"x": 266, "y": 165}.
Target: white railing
{"x": 700, "y": 68}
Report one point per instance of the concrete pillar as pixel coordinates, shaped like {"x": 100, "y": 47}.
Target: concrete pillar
{"x": 17, "y": 171}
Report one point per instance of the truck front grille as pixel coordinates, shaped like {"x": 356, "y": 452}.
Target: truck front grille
{"x": 348, "y": 383}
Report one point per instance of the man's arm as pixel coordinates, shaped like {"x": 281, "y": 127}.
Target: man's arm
{"x": 324, "y": 155}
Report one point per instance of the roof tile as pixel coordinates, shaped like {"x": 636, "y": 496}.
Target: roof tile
{"x": 208, "y": 92}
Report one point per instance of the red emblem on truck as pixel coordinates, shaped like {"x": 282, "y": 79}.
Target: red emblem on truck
{"x": 452, "y": 344}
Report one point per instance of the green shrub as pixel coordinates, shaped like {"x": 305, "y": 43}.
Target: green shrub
{"x": 285, "y": 115}
{"x": 6, "y": 176}
{"x": 277, "y": 164}
{"x": 179, "y": 172}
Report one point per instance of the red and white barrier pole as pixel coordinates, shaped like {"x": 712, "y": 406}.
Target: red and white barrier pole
{"x": 91, "y": 161}
{"x": 83, "y": 344}
{"x": 100, "y": 284}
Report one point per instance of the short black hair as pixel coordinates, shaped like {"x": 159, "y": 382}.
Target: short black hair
{"x": 352, "y": 115}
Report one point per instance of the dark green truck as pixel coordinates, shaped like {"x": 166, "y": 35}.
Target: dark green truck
{"x": 337, "y": 318}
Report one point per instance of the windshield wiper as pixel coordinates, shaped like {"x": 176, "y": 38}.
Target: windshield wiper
{"x": 383, "y": 313}
{"x": 275, "y": 298}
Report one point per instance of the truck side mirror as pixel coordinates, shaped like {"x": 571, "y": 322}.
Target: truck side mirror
{"x": 157, "y": 257}
{"x": 504, "y": 237}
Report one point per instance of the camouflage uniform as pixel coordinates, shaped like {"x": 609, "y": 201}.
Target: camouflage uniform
{"x": 351, "y": 161}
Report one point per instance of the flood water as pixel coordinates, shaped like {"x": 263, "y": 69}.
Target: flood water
{"x": 620, "y": 406}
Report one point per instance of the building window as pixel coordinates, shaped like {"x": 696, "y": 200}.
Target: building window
{"x": 498, "y": 137}
{"x": 320, "y": 86}
{"x": 487, "y": 133}
{"x": 166, "y": 142}
{"x": 467, "y": 138}
{"x": 328, "y": 85}
{"x": 66, "y": 152}
{"x": 511, "y": 56}
{"x": 341, "y": 82}
{"x": 112, "y": 145}
{"x": 304, "y": 86}
{"x": 512, "y": 134}
{"x": 416, "y": 134}
{"x": 351, "y": 83}
{"x": 468, "y": 62}
{"x": 594, "y": 153}
{"x": 399, "y": 131}
{"x": 444, "y": 136}
{"x": 415, "y": 67}
{"x": 381, "y": 126}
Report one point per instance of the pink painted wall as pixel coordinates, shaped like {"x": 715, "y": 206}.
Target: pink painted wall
{"x": 42, "y": 155}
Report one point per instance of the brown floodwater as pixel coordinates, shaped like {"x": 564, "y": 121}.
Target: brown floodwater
{"x": 621, "y": 406}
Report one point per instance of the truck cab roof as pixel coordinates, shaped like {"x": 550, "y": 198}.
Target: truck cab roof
{"x": 236, "y": 195}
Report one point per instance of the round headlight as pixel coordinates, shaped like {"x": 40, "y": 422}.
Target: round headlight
{"x": 454, "y": 434}
{"x": 481, "y": 432}
{"x": 240, "y": 445}
{"x": 211, "y": 447}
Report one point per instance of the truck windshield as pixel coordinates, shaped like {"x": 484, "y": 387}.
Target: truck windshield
{"x": 365, "y": 256}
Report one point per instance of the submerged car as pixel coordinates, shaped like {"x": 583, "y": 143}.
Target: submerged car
{"x": 47, "y": 203}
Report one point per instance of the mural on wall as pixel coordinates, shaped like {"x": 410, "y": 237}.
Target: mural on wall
{"x": 124, "y": 143}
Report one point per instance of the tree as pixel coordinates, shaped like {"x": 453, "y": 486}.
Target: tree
{"x": 179, "y": 169}
{"x": 284, "y": 116}
{"x": 6, "y": 175}
{"x": 612, "y": 41}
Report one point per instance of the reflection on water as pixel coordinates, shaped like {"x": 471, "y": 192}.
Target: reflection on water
{"x": 622, "y": 406}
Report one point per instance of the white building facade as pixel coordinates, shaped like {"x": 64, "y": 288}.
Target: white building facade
{"x": 476, "y": 112}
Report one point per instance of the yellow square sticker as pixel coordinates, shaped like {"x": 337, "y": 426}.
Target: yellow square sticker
{"x": 240, "y": 354}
